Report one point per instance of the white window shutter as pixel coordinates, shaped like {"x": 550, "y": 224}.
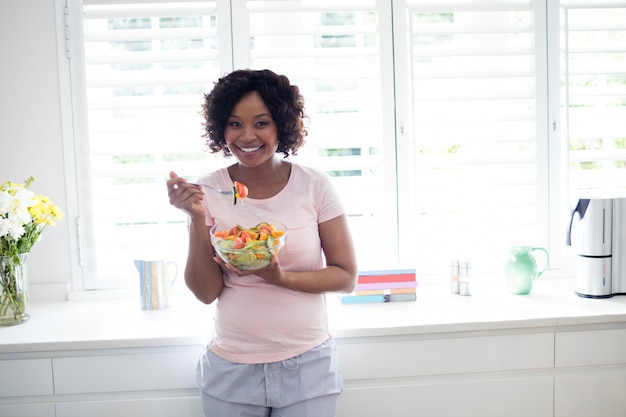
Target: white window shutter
{"x": 474, "y": 106}
{"x": 335, "y": 53}
{"x": 594, "y": 96}
{"x": 425, "y": 113}
{"x": 147, "y": 65}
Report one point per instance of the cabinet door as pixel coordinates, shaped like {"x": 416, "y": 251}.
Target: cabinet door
{"x": 163, "y": 370}
{"x": 599, "y": 394}
{"x": 521, "y": 397}
{"x": 157, "y": 407}
{"x": 384, "y": 358}
{"x": 593, "y": 381}
{"x": 27, "y": 410}
{"x": 24, "y": 377}
{"x": 590, "y": 347}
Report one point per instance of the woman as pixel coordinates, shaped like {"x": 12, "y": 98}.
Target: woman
{"x": 271, "y": 354}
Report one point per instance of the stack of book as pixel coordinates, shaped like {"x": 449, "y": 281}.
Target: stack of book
{"x": 383, "y": 286}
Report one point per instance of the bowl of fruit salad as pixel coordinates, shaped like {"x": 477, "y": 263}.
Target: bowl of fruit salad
{"x": 248, "y": 248}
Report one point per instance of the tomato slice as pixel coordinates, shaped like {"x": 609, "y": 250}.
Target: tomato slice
{"x": 241, "y": 190}
{"x": 238, "y": 243}
{"x": 245, "y": 236}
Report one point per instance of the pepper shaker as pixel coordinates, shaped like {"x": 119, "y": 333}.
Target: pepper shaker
{"x": 465, "y": 274}
{"x": 454, "y": 277}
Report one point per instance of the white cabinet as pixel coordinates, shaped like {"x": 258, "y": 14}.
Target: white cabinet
{"x": 592, "y": 377}
{"x": 501, "y": 375}
{"x": 155, "y": 407}
{"x": 597, "y": 393}
{"x": 472, "y": 396}
{"x": 137, "y": 371}
{"x": 551, "y": 371}
{"x": 156, "y": 382}
{"x": 27, "y": 410}
{"x": 590, "y": 348}
{"x": 396, "y": 357}
{"x": 25, "y": 377}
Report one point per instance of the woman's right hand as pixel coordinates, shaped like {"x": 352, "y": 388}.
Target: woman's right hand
{"x": 184, "y": 196}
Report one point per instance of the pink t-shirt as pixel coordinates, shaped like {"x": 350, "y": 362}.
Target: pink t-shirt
{"x": 257, "y": 322}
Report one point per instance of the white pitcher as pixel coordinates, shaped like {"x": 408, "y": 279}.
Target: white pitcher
{"x": 155, "y": 282}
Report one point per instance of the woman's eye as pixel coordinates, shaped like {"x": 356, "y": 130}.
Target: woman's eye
{"x": 262, "y": 123}
{"x": 234, "y": 124}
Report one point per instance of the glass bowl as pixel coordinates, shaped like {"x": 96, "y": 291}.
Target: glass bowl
{"x": 248, "y": 248}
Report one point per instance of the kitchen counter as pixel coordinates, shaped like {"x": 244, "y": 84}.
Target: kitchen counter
{"x": 559, "y": 351}
{"x": 100, "y": 324}
{"x": 552, "y": 302}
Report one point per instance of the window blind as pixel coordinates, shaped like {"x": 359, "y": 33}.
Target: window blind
{"x": 334, "y": 52}
{"x": 474, "y": 107}
{"x": 593, "y": 50}
{"x": 146, "y": 67}
{"x": 464, "y": 174}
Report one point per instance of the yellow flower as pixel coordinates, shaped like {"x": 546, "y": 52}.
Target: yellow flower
{"x": 23, "y": 217}
{"x": 44, "y": 212}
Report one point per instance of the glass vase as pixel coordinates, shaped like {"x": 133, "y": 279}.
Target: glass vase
{"x": 13, "y": 290}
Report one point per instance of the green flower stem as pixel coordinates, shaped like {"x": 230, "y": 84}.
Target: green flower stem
{"x": 13, "y": 294}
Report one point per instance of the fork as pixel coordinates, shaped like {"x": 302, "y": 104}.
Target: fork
{"x": 225, "y": 192}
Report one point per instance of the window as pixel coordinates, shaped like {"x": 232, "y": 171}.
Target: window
{"x": 146, "y": 66}
{"x": 435, "y": 119}
{"x": 335, "y": 53}
{"x": 594, "y": 96}
{"x": 474, "y": 105}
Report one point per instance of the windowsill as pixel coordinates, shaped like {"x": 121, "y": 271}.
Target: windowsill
{"x": 98, "y": 324}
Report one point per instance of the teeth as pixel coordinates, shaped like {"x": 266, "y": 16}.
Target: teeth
{"x": 249, "y": 149}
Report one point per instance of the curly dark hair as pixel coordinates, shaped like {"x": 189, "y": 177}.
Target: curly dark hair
{"x": 284, "y": 101}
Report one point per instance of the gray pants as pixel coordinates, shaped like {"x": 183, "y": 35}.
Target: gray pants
{"x": 305, "y": 385}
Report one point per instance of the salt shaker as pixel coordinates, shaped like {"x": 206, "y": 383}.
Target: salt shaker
{"x": 465, "y": 274}
{"x": 454, "y": 277}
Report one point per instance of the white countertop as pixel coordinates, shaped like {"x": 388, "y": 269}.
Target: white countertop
{"x": 552, "y": 302}
{"x": 105, "y": 324}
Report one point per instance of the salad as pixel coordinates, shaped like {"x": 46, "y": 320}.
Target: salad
{"x": 248, "y": 248}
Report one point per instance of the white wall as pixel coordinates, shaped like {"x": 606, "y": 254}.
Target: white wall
{"x": 30, "y": 123}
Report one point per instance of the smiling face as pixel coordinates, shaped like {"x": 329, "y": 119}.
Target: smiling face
{"x": 251, "y": 133}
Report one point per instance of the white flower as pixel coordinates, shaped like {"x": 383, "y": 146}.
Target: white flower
{"x": 14, "y": 204}
{"x": 5, "y": 202}
{"x": 5, "y": 226}
{"x": 13, "y": 228}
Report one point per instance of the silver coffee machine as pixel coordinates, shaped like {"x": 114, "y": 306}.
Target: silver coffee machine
{"x": 597, "y": 233}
